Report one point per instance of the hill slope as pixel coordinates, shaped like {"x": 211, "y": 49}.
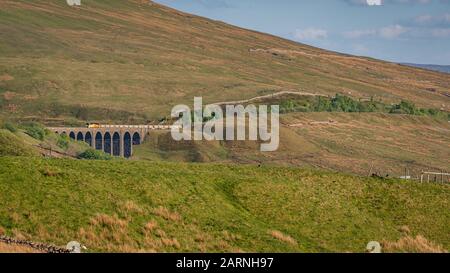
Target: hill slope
{"x": 358, "y": 143}
{"x": 130, "y": 61}
{"x": 20, "y": 143}
{"x": 141, "y": 206}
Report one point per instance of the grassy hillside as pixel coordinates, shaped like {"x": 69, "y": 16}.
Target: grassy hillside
{"x": 13, "y": 145}
{"x": 34, "y": 140}
{"x": 361, "y": 143}
{"x": 130, "y": 61}
{"x": 174, "y": 207}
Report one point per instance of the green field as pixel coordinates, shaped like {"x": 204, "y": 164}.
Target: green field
{"x": 175, "y": 207}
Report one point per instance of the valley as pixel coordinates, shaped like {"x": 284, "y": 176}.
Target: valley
{"x": 356, "y": 134}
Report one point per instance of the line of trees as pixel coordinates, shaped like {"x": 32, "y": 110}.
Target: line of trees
{"x": 341, "y": 103}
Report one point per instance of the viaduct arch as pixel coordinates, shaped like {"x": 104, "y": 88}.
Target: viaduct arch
{"x": 116, "y": 140}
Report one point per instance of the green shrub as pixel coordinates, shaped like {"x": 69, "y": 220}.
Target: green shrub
{"x": 409, "y": 108}
{"x": 9, "y": 126}
{"x": 322, "y": 105}
{"x": 341, "y": 103}
{"x": 92, "y": 154}
{"x": 405, "y": 107}
{"x": 63, "y": 142}
{"x": 35, "y": 130}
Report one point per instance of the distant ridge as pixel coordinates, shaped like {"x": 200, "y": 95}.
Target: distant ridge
{"x": 434, "y": 67}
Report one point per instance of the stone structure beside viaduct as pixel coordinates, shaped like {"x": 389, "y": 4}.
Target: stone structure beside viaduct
{"x": 116, "y": 140}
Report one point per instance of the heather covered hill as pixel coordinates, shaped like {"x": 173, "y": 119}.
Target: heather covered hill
{"x": 131, "y": 61}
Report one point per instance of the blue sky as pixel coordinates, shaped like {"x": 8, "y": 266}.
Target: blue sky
{"x": 396, "y": 30}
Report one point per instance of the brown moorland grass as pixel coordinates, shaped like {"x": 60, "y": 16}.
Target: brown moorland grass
{"x": 11, "y": 248}
{"x": 128, "y": 61}
{"x": 167, "y": 214}
{"x": 283, "y": 237}
{"x": 409, "y": 244}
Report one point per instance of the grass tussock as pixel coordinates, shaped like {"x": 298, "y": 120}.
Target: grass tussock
{"x": 110, "y": 232}
{"x": 166, "y": 214}
{"x": 19, "y": 235}
{"x": 50, "y": 172}
{"x": 150, "y": 226}
{"x": 170, "y": 242}
{"x": 409, "y": 244}
{"x": 156, "y": 239}
{"x": 131, "y": 207}
{"x": 283, "y": 237}
{"x": 105, "y": 220}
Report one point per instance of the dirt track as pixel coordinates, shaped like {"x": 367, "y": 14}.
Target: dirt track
{"x": 271, "y": 96}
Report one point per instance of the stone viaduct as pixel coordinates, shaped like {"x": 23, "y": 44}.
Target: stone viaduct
{"x": 116, "y": 140}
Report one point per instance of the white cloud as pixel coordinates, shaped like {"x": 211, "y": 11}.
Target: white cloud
{"x": 388, "y": 32}
{"x": 310, "y": 34}
{"x": 391, "y": 32}
{"x": 441, "y": 32}
{"x": 423, "y": 26}
{"x": 355, "y": 34}
{"x": 427, "y": 20}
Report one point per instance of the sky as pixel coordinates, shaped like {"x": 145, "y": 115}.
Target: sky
{"x": 415, "y": 31}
